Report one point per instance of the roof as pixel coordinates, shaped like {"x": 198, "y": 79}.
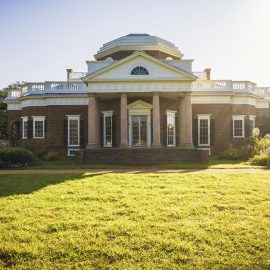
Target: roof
{"x": 138, "y": 42}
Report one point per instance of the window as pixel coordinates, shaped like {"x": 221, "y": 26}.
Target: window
{"x": 38, "y": 127}
{"x": 204, "y": 130}
{"x": 73, "y": 130}
{"x": 139, "y": 71}
{"x": 238, "y": 126}
{"x": 107, "y": 129}
{"x": 171, "y": 140}
{"x": 24, "y": 127}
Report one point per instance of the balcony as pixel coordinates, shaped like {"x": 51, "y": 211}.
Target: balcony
{"x": 71, "y": 87}
{"x": 224, "y": 86}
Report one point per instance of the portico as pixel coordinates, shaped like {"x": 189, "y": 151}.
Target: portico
{"x": 140, "y": 120}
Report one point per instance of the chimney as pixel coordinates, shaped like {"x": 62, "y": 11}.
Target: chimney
{"x": 207, "y": 72}
{"x": 69, "y": 70}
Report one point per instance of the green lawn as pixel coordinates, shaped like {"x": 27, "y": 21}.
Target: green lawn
{"x": 214, "y": 163}
{"x": 138, "y": 221}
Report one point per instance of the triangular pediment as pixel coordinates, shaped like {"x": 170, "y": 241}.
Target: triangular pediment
{"x": 139, "y": 104}
{"x": 157, "y": 69}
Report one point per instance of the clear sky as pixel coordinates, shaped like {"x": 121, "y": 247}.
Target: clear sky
{"x": 39, "y": 39}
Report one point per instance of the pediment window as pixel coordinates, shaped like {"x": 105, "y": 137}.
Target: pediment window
{"x": 139, "y": 71}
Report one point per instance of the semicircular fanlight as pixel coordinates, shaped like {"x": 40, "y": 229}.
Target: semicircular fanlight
{"x": 139, "y": 71}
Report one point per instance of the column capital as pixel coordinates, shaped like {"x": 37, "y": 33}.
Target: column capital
{"x": 91, "y": 94}
{"x": 156, "y": 93}
{"x": 123, "y": 94}
{"x": 187, "y": 93}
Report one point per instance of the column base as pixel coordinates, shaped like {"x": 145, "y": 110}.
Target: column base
{"x": 92, "y": 146}
{"x": 187, "y": 146}
{"x": 123, "y": 145}
{"x": 156, "y": 145}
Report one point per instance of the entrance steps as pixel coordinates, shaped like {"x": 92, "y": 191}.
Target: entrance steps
{"x": 141, "y": 156}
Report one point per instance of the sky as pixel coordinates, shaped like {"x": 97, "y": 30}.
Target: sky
{"x": 39, "y": 39}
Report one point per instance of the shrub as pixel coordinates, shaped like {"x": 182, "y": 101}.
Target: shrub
{"x": 50, "y": 156}
{"x": 17, "y": 156}
{"x": 41, "y": 154}
{"x": 231, "y": 154}
{"x": 261, "y": 160}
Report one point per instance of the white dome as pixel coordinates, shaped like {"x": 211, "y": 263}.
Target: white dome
{"x": 138, "y": 42}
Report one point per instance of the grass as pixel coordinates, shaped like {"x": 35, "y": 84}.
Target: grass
{"x": 214, "y": 163}
{"x": 138, "y": 221}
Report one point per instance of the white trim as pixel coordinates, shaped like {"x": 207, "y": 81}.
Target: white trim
{"x": 24, "y": 120}
{"x": 262, "y": 104}
{"x": 77, "y": 118}
{"x": 171, "y": 113}
{"x": 204, "y": 117}
{"x": 242, "y": 118}
{"x": 41, "y": 119}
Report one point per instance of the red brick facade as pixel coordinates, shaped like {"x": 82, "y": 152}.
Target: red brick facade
{"x": 55, "y": 139}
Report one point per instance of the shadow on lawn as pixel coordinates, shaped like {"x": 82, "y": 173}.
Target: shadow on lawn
{"x": 28, "y": 183}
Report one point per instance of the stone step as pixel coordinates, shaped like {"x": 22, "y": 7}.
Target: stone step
{"x": 139, "y": 156}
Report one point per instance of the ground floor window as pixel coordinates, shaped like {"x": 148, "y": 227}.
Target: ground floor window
{"x": 73, "y": 130}
{"x": 238, "y": 126}
{"x": 204, "y": 130}
{"x": 171, "y": 139}
{"x": 24, "y": 127}
{"x": 107, "y": 128}
{"x": 38, "y": 127}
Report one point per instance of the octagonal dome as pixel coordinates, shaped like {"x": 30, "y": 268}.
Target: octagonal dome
{"x": 124, "y": 46}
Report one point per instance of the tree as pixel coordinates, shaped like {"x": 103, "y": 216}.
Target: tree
{"x": 3, "y": 107}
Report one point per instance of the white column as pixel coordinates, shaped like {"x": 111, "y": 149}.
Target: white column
{"x": 124, "y": 122}
{"x": 156, "y": 121}
{"x": 93, "y": 123}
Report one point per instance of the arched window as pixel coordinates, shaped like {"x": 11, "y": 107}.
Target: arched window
{"x": 139, "y": 71}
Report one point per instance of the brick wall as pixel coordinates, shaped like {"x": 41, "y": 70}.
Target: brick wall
{"x": 55, "y": 116}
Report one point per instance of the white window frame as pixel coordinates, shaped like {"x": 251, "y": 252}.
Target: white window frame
{"x": 105, "y": 115}
{"x": 24, "y": 120}
{"x": 253, "y": 119}
{"x": 242, "y": 118}
{"x": 77, "y": 118}
{"x": 35, "y": 119}
{"x": 204, "y": 117}
{"x": 168, "y": 114}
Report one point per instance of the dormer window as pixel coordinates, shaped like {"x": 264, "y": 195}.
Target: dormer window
{"x": 139, "y": 71}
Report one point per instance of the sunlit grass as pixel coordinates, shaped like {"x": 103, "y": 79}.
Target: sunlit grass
{"x": 138, "y": 221}
{"x": 214, "y": 163}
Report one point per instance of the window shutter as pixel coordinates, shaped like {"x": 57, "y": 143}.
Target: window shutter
{"x": 232, "y": 128}
{"x": 113, "y": 131}
{"x": 176, "y": 131}
{"x": 165, "y": 131}
{"x": 212, "y": 131}
{"x": 30, "y": 129}
{"x": 248, "y": 127}
{"x": 21, "y": 129}
{"x": 195, "y": 131}
{"x": 101, "y": 132}
{"x": 65, "y": 132}
{"x": 82, "y": 133}
{"x": 45, "y": 128}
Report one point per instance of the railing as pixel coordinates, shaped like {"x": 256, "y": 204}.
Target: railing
{"x": 224, "y": 85}
{"x": 263, "y": 91}
{"x": 212, "y": 85}
{"x": 76, "y": 75}
{"x": 47, "y": 88}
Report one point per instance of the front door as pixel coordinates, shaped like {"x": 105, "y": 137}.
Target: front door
{"x": 139, "y": 130}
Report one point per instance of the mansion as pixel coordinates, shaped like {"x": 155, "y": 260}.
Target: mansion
{"x": 138, "y": 93}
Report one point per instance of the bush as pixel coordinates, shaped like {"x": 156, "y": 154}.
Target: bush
{"x": 17, "y": 156}
{"x": 231, "y": 154}
{"x": 261, "y": 160}
{"x": 50, "y": 156}
{"x": 40, "y": 154}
